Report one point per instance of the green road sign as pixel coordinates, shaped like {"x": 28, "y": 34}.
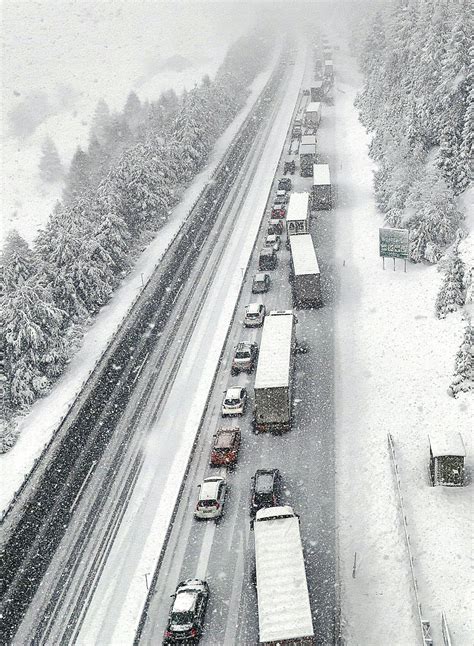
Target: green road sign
{"x": 394, "y": 243}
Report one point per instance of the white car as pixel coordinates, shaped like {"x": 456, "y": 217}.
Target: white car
{"x": 273, "y": 241}
{"x": 212, "y": 493}
{"x": 254, "y": 315}
{"x": 235, "y": 401}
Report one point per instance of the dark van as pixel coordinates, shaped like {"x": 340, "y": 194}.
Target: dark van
{"x": 267, "y": 259}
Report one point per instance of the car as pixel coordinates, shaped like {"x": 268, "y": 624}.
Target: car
{"x": 245, "y": 358}
{"x": 280, "y": 199}
{"x": 235, "y": 400}
{"x": 267, "y": 259}
{"x": 186, "y": 617}
{"x": 254, "y": 314}
{"x": 278, "y": 211}
{"x": 261, "y": 283}
{"x": 285, "y": 184}
{"x": 275, "y": 227}
{"x": 305, "y": 92}
{"x": 266, "y": 489}
{"x": 212, "y": 493}
{"x": 273, "y": 242}
{"x": 225, "y": 448}
{"x": 289, "y": 167}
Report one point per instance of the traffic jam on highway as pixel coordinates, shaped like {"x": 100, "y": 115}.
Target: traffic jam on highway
{"x": 266, "y": 351}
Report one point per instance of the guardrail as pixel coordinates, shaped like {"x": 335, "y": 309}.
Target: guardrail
{"x": 445, "y": 631}
{"x": 425, "y": 627}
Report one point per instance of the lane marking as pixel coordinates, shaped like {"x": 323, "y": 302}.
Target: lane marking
{"x": 84, "y": 483}
{"x": 140, "y": 367}
{"x": 236, "y": 595}
{"x": 205, "y": 549}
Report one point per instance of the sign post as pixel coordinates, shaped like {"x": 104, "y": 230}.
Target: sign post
{"x": 394, "y": 243}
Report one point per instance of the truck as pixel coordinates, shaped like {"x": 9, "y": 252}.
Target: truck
{"x": 312, "y": 115}
{"x": 321, "y": 191}
{"x": 305, "y": 277}
{"x": 317, "y": 91}
{"x": 297, "y": 217}
{"x": 273, "y": 387}
{"x": 307, "y": 159}
{"x": 284, "y": 611}
{"x": 329, "y": 69}
{"x": 308, "y": 139}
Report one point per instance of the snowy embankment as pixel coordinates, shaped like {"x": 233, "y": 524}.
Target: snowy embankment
{"x": 394, "y": 363}
{"x": 37, "y": 428}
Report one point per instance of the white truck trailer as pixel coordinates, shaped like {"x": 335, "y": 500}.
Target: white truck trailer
{"x": 308, "y": 140}
{"x": 305, "y": 277}
{"x": 312, "y": 115}
{"x": 273, "y": 387}
{"x": 321, "y": 191}
{"x": 284, "y": 611}
{"x": 297, "y": 215}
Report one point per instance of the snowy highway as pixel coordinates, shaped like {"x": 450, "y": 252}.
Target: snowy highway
{"x": 222, "y": 552}
{"x": 106, "y": 579}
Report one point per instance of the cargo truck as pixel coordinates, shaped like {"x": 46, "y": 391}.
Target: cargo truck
{"x": 317, "y": 92}
{"x": 321, "y": 196}
{"x": 305, "y": 278}
{"x": 297, "y": 217}
{"x": 307, "y": 159}
{"x": 274, "y": 378}
{"x": 312, "y": 115}
{"x": 284, "y": 611}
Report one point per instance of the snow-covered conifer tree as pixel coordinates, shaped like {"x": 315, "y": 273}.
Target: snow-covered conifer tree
{"x": 50, "y": 167}
{"x": 101, "y": 121}
{"x": 18, "y": 261}
{"x": 451, "y": 294}
{"x": 463, "y": 380}
{"x": 78, "y": 180}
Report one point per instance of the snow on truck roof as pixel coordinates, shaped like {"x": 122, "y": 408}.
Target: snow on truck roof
{"x": 303, "y": 255}
{"x": 447, "y": 444}
{"x": 321, "y": 176}
{"x": 273, "y": 368}
{"x": 284, "y": 611}
{"x": 314, "y": 106}
{"x": 307, "y": 149}
{"x": 298, "y": 207}
{"x": 308, "y": 139}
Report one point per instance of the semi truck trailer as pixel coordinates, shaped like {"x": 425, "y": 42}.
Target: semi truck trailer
{"x": 274, "y": 378}
{"x": 284, "y": 611}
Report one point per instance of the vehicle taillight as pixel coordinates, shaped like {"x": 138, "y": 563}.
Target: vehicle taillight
{"x": 193, "y": 632}
{"x": 168, "y": 633}
{"x": 217, "y": 505}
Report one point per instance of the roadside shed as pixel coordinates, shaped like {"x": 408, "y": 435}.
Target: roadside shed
{"x": 447, "y": 457}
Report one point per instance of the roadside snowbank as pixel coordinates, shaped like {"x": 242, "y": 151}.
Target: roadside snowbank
{"x": 37, "y": 428}
{"x": 394, "y": 362}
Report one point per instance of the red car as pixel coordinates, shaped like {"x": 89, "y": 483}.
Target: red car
{"x": 226, "y": 447}
{"x": 278, "y": 211}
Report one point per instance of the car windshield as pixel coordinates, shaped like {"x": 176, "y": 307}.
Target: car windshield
{"x": 244, "y": 354}
{"x": 232, "y": 402}
{"x": 252, "y": 315}
{"x": 182, "y": 618}
{"x": 207, "y": 503}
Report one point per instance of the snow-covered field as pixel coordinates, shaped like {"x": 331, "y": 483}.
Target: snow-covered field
{"x": 394, "y": 362}
{"x": 94, "y": 50}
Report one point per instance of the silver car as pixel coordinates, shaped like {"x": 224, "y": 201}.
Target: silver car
{"x": 212, "y": 493}
{"x": 235, "y": 400}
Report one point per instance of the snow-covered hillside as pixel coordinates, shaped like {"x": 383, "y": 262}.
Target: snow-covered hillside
{"x": 94, "y": 51}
